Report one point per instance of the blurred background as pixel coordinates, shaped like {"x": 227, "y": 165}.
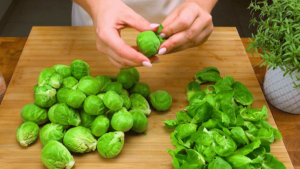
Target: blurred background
{"x": 18, "y": 16}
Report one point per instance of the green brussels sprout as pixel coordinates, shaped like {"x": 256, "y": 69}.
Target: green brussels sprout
{"x": 122, "y": 120}
{"x": 193, "y": 86}
{"x": 75, "y": 98}
{"x": 124, "y": 92}
{"x": 135, "y": 73}
{"x": 94, "y": 105}
{"x": 101, "y": 95}
{"x": 89, "y": 85}
{"x": 56, "y": 156}
{"x": 126, "y": 78}
{"x": 45, "y": 75}
{"x": 140, "y": 88}
{"x": 62, "y": 95}
{"x": 138, "y": 102}
{"x": 86, "y": 119}
{"x": 55, "y": 81}
{"x": 45, "y": 96}
{"x": 51, "y": 132}
{"x": 110, "y": 144}
{"x": 126, "y": 101}
{"x": 80, "y": 69}
{"x": 27, "y": 133}
{"x": 111, "y": 77}
{"x": 113, "y": 101}
{"x": 100, "y": 126}
{"x": 80, "y": 140}
{"x": 140, "y": 121}
{"x": 63, "y": 70}
{"x": 114, "y": 86}
{"x": 64, "y": 115}
{"x": 70, "y": 82}
{"x": 34, "y": 113}
{"x": 103, "y": 81}
{"x": 148, "y": 43}
{"x": 35, "y": 87}
{"x": 161, "y": 100}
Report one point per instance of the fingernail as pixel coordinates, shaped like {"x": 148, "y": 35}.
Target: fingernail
{"x": 147, "y": 64}
{"x": 162, "y": 51}
{"x": 162, "y": 35}
{"x": 157, "y": 61}
{"x": 154, "y": 25}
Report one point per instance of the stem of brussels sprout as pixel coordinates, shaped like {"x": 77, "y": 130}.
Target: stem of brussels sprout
{"x": 70, "y": 165}
{"x": 24, "y": 143}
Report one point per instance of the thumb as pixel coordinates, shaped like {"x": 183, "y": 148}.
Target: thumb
{"x": 139, "y": 23}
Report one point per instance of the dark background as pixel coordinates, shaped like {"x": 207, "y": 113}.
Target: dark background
{"x": 21, "y": 15}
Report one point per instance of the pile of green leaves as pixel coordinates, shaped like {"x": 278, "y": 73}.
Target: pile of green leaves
{"x": 278, "y": 33}
{"x": 219, "y": 129}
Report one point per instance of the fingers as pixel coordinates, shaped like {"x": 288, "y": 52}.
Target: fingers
{"x": 120, "y": 66}
{"x": 170, "y": 18}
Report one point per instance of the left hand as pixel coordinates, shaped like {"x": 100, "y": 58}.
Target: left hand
{"x": 190, "y": 26}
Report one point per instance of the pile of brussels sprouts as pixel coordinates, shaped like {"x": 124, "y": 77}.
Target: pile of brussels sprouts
{"x": 219, "y": 129}
{"x": 82, "y": 108}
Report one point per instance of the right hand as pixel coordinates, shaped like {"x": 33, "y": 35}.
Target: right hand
{"x": 109, "y": 17}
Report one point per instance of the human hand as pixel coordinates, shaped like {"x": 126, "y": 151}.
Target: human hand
{"x": 109, "y": 17}
{"x": 189, "y": 24}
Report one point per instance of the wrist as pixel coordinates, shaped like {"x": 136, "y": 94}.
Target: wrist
{"x": 206, "y": 5}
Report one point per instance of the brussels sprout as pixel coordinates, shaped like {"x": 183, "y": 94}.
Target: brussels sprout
{"x": 86, "y": 119}
{"x": 79, "y": 69}
{"x": 55, "y": 155}
{"x": 55, "y": 81}
{"x": 93, "y": 105}
{"x": 51, "y": 132}
{"x": 27, "y": 133}
{"x": 135, "y": 73}
{"x": 140, "y": 88}
{"x": 45, "y": 96}
{"x": 110, "y": 144}
{"x": 70, "y": 82}
{"x": 103, "y": 81}
{"x": 138, "y": 102}
{"x": 126, "y": 78}
{"x": 148, "y": 43}
{"x": 122, "y": 120}
{"x": 114, "y": 86}
{"x": 62, "y": 114}
{"x": 111, "y": 77}
{"x": 126, "y": 101}
{"x": 113, "y": 101}
{"x": 193, "y": 86}
{"x": 34, "y": 113}
{"x": 161, "y": 100}
{"x": 140, "y": 121}
{"x": 62, "y": 95}
{"x": 75, "y": 98}
{"x": 45, "y": 75}
{"x": 100, "y": 126}
{"x": 101, "y": 95}
{"x": 124, "y": 92}
{"x": 35, "y": 87}
{"x": 63, "y": 70}
{"x": 80, "y": 140}
{"x": 89, "y": 85}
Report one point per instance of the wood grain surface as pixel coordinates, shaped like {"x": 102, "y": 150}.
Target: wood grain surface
{"x": 47, "y": 46}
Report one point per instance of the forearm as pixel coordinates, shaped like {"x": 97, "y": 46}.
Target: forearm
{"x": 90, "y": 6}
{"x": 207, "y": 5}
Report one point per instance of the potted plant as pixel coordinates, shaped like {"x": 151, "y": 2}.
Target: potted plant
{"x": 278, "y": 40}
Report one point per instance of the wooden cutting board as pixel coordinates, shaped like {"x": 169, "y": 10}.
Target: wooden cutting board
{"x": 47, "y": 46}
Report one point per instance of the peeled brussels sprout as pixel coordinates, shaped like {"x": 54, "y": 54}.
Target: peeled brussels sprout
{"x": 62, "y": 95}
{"x": 161, "y": 100}
{"x": 124, "y": 92}
{"x": 126, "y": 101}
{"x": 122, "y": 120}
{"x": 138, "y": 102}
{"x": 193, "y": 86}
{"x": 103, "y": 81}
{"x": 27, "y": 133}
{"x": 64, "y": 115}
{"x": 126, "y": 78}
{"x": 63, "y": 70}
{"x": 86, "y": 119}
{"x": 55, "y": 81}
{"x": 34, "y": 113}
{"x": 79, "y": 69}
{"x": 101, "y": 95}
{"x": 135, "y": 73}
{"x": 75, "y": 98}
{"x": 45, "y": 96}
{"x": 94, "y": 105}
{"x": 113, "y": 101}
{"x": 89, "y": 85}
{"x": 45, "y": 75}
{"x": 140, "y": 121}
{"x": 100, "y": 126}
{"x": 114, "y": 86}
{"x": 70, "y": 82}
{"x": 148, "y": 43}
{"x": 80, "y": 140}
{"x": 110, "y": 144}
{"x": 55, "y": 155}
{"x": 51, "y": 132}
{"x": 140, "y": 88}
